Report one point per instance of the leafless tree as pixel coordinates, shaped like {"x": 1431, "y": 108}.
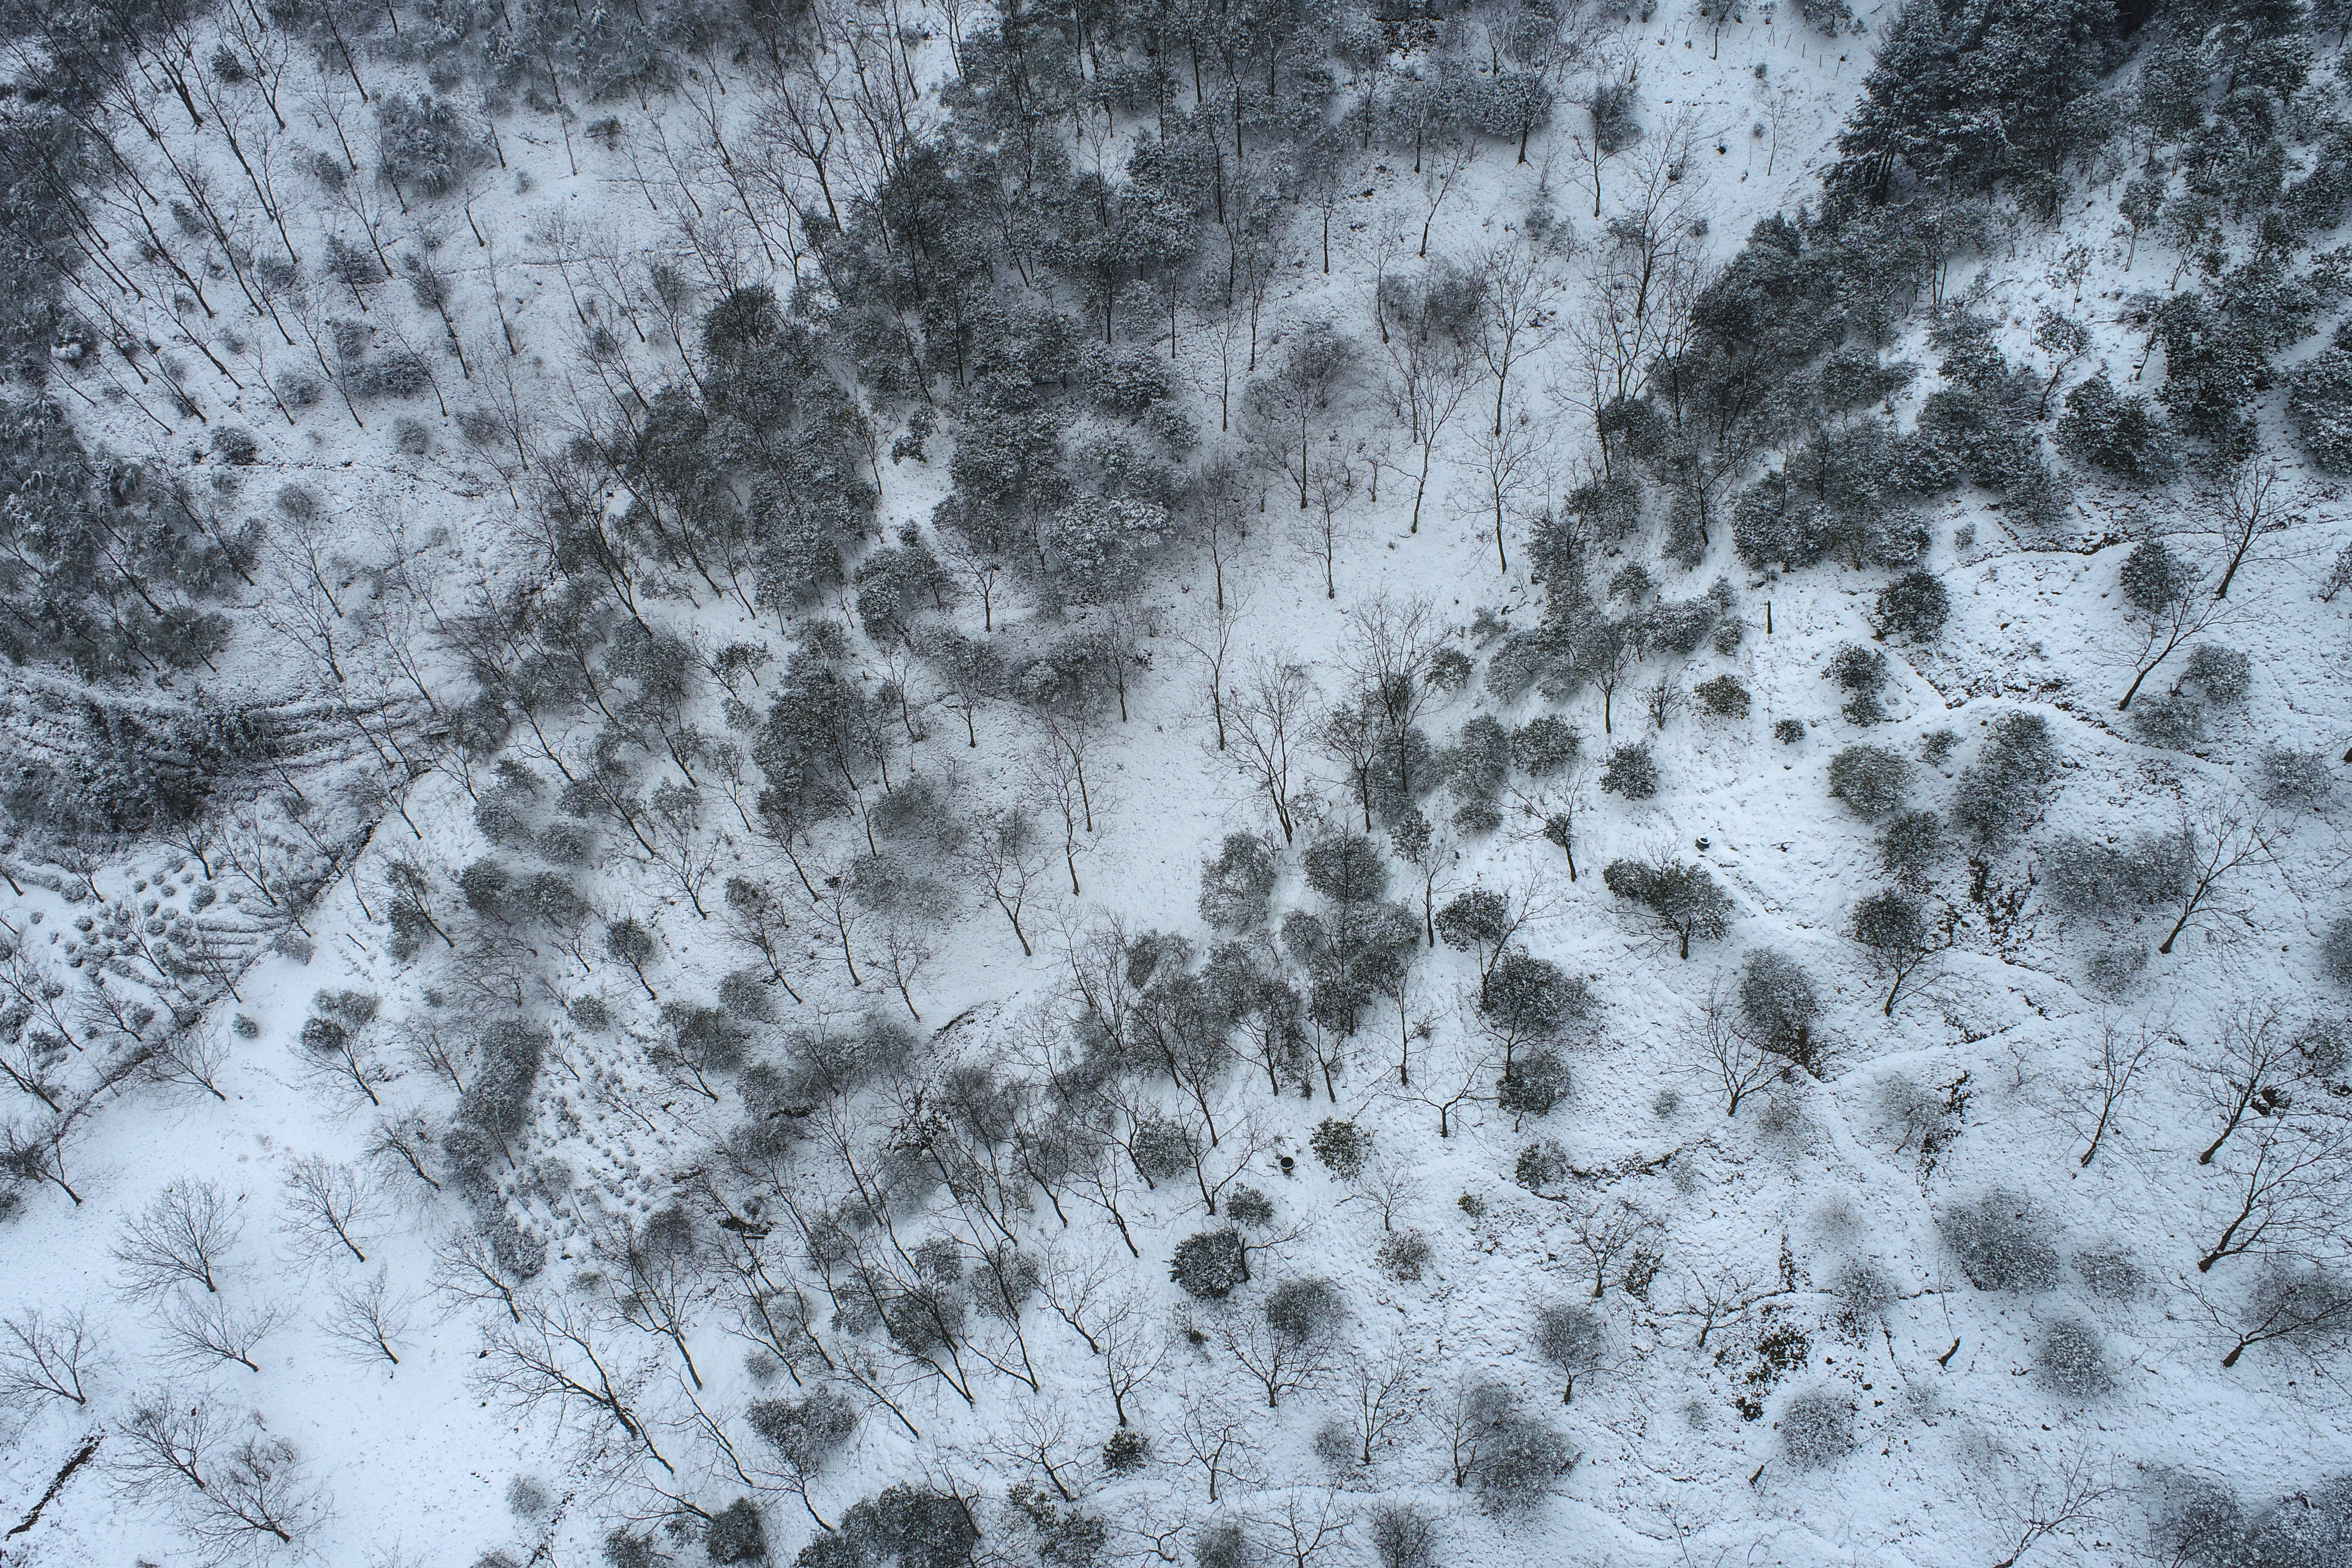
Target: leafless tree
{"x": 329, "y": 1206}
{"x": 2028, "y": 1497}
{"x": 2219, "y": 839}
{"x": 2254, "y": 508}
{"x": 406, "y": 1143}
{"x": 1605, "y": 1232}
{"x": 2164, "y": 629}
{"x": 46, "y": 1357}
{"x": 1007, "y": 855}
{"x": 1507, "y": 470}
{"x": 1740, "y": 1065}
{"x": 2250, "y": 1071}
{"x": 190, "y": 1058}
{"x": 1270, "y": 713}
{"x": 555, "y": 1355}
{"x": 1054, "y": 776}
{"x": 1211, "y": 641}
{"x": 2306, "y": 1306}
{"x": 1304, "y": 1523}
{"x": 1520, "y": 281}
{"x": 472, "y": 1267}
{"x": 1219, "y": 1436}
{"x": 1384, "y": 1396}
{"x": 203, "y": 1330}
{"x": 259, "y": 1494}
{"x": 366, "y": 1320}
{"x": 181, "y": 1238}
{"x": 168, "y": 1442}
{"x": 2121, "y": 1054}
{"x": 2285, "y": 1182}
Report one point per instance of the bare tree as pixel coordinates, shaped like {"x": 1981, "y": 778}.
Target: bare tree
{"x": 1270, "y": 713}
{"x": 366, "y": 1320}
{"x": 1605, "y": 1232}
{"x": 2250, "y": 1071}
{"x": 203, "y": 1330}
{"x": 181, "y": 1238}
{"x": 329, "y": 1206}
{"x": 2304, "y": 1306}
{"x": 1304, "y": 1523}
{"x": 2028, "y": 1497}
{"x": 46, "y": 1357}
{"x": 168, "y": 1442}
{"x": 1219, "y": 1436}
{"x": 1508, "y": 467}
{"x": 2219, "y": 839}
{"x": 554, "y": 1356}
{"x": 2252, "y": 509}
{"x": 472, "y": 1265}
{"x": 1055, "y": 777}
{"x": 1742, "y": 1066}
{"x": 257, "y": 1493}
{"x": 1384, "y": 1396}
{"x": 2286, "y": 1180}
{"x": 1519, "y": 281}
{"x": 2117, "y": 1063}
{"x": 1007, "y": 855}
{"x": 2163, "y": 628}
{"x": 190, "y": 1058}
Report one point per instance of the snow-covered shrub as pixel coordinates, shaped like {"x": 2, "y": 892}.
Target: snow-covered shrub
{"x": 2117, "y": 434}
{"x": 235, "y": 445}
{"x": 2310, "y": 1528}
{"x": 2319, "y": 406}
{"x": 2296, "y": 781}
{"x": 2222, "y": 675}
{"x": 1871, "y": 780}
{"x": 1510, "y": 1458}
{"x": 1723, "y": 697}
{"x": 1402, "y": 1255}
{"x": 1544, "y": 745}
{"x": 1236, "y": 885}
{"x": 1778, "y": 1008}
{"x": 1220, "y": 1544}
{"x": 1862, "y": 1293}
{"x": 1816, "y": 1427}
{"x": 1631, "y": 771}
{"x": 1570, "y": 1335}
{"x": 2114, "y": 968}
{"x": 1248, "y": 1205}
{"x": 1910, "y": 846}
{"x": 2007, "y": 785}
{"x": 2152, "y": 576}
{"x": 2108, "y": 1270}
{"x": 1682, "y": 899}
{"x": 1915, "y": 604}
{"x": 2173, "y": 721}
{"x": 2002, "y": 1242}
{"x": 425, "y": 147}
{"x": 1124, "y": 1452}
{"x": 736, "y": 1534}
{"x": 1208, "y": 1264}
{"x": 1403, "y": 1536}
{"x": 1542, "y": 1164}
{"x": 2336, "y": 951}
{"x": 2087, "y": 878}
{"x": 1537, "y": 1080}
{"x": 1343, "y": 1146}
{"x": 2070, "y": 1358}
{"x": 1789, "y": 731}
{"x": 1450, "y": 670}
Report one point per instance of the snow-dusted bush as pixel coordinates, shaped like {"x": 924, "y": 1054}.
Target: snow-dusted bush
{"x": 2154, "y": 576}
{"x": 1403, "y": 1536}
{"x": 2336, "y": 951}
{"x": 2172, "y": 721}
{"x": 2222, "y": 675}
{"x": 1871, "y": 780}
{"x": 1402, "y": 1255}
{"x": 1236, "y": 885}
{"x": 425, "y": 148}
{"x": 2085, "y": 877}
{"x": 1124, "y": 1450}
{"x": 2070, "y": 1358}
{"x": 1910, "y": 847}
{"x": 1915, "y": 605}
{"x": 2114, "y": 968}
{"x": 1542, "y": 1164}
{"x": 1544, "y": 745}
{"x": 1571, "y": 1336}
{"x": 2292, "y": 780}
{"x": 1682, "y": 899}
{"x": 1789, "y": 731}
{"x": 2108, "y": 1270}
{"x": 1723, "y": 697}
{"x": 736, "y": 1533}
{"x": 1248, "y": 1205}
{"x": 2117, "y": 434}
{"x": 1862, "y": 673}
{"x": 1862, "y": 1293}
{"x": 1210, "y": 1263}
{"x": 2319, "y": 406}
{"x": 2007, "y": 785}
{"x": 1778, "y": 1008}
{"x": 1816, "y": 1427}
{"x": 1631, "y": 771}
{"x": 1343, "y": 1146}
{"x": 2001, "y": 1241}
{"x": 1508, "y": 1458}
{"x": 1537, "y": 1080}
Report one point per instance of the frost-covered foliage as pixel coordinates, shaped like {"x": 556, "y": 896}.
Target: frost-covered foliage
{"x": 2001, "y": 1241}
{"x": 1872, "y": 781}
{"x": 1816, "y": 1427}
